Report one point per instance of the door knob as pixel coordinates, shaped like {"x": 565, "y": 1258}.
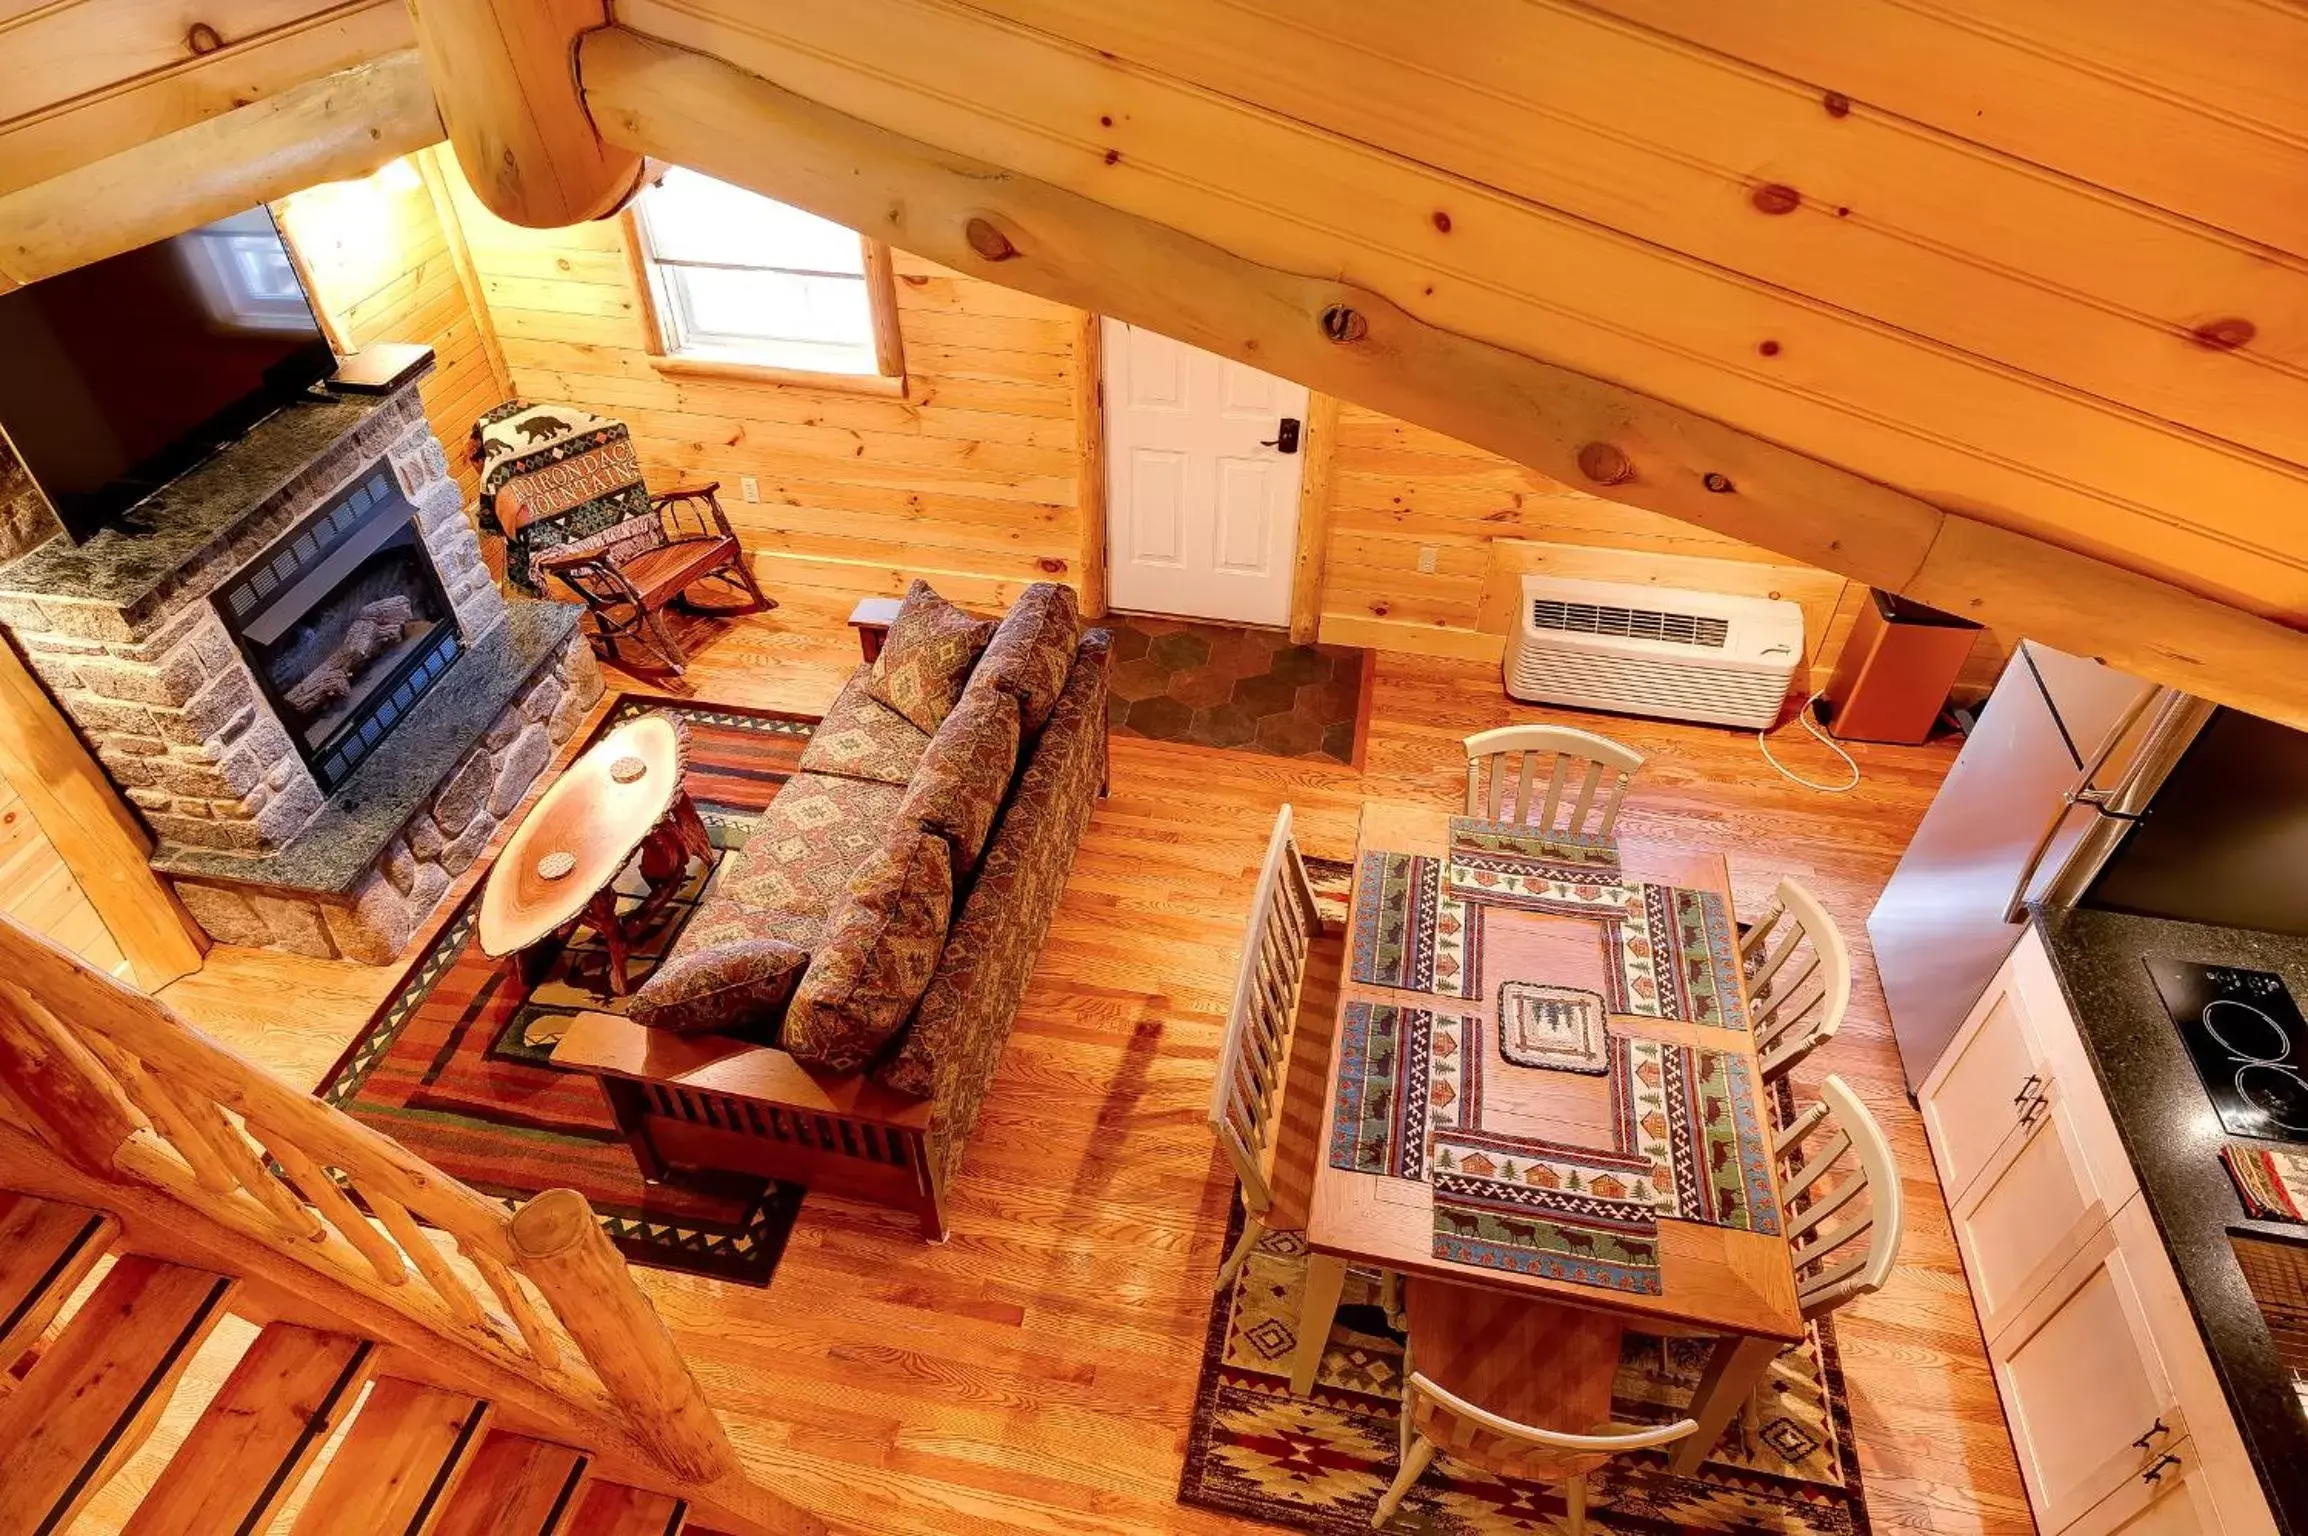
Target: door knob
{"x": 1285, "y": 438}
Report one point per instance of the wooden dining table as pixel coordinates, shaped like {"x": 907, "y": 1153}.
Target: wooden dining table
{"x": 1731, "y": 1284}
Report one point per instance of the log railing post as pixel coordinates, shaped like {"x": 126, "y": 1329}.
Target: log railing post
{"x": 74, "y": 1104}
{"x": 559, "y": 1246}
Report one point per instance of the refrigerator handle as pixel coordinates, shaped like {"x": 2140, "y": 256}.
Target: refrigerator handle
{"x": 2082, "y": 792}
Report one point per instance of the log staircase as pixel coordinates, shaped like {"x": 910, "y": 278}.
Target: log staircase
{"x": 414, "y": 1359}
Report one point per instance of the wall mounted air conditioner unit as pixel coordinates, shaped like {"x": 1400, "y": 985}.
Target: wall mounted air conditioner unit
{"x": 1643, "y": 650}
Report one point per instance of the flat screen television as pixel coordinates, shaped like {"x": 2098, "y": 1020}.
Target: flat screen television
{"x": 120, "y": 375}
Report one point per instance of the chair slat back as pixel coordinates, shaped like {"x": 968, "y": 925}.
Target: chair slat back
{"x": 1254, "y": 1055}
{"x": 1798, "y": 982}
{"x": 1840, "y": 1186}
{"x": 1475, "y": 1434}
{"x": 1504, "y": 779}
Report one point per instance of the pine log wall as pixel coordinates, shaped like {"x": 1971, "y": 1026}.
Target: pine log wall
{"x": 968, "y": 480}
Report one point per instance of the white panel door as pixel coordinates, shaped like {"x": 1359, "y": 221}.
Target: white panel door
{"x": 1201, "y": 506}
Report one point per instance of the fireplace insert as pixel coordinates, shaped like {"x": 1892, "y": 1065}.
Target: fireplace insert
{"x": 344, "y": 622}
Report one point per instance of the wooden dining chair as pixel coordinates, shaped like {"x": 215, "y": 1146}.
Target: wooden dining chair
{"x": 1504, "y": 779}
{"x": 1273, "y": 1077}
{"x": 1791, "y": 946}
{"x": 1839, "y": 1188}
{"x": 1516, "y": 1387}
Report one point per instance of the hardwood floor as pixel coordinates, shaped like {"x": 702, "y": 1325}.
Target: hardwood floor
{"x": 1035, "y": 1372}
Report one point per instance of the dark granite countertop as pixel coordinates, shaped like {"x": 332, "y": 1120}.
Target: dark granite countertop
{"x": 203, "y": 507}
{"x": 332, "y": 853}
{"x": 2174, "y": 1137}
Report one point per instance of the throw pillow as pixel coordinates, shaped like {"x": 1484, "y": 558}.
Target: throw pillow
{"x": 877, "y": 958}
{"x": 959, "y": 785}
{"x": 739, "y": 988}
{"x": 1033, "y": 650}
{"x": 926, "y": 659}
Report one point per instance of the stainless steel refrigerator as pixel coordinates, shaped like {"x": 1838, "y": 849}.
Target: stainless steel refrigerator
{"x": 2064, "y": 762}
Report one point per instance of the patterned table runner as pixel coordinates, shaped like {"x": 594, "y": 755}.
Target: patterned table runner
{"x": 1513, "y": 881}
{"x": 1475, "y": 835}
{"x": 1675, "y": 956}
{"x": 1697, "y": 1113}
{"x": 1409, "y": 932}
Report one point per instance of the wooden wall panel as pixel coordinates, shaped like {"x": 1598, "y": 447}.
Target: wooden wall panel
{"x": 86, "y": 78}
{"x": 384, "y": 268}
{"x": 1400, "y": 491}
{"x": 38, "y": 891}
{"x": 970, "y": 479}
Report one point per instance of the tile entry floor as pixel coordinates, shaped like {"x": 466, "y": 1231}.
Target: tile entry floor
{"x": 1225, "y": 685}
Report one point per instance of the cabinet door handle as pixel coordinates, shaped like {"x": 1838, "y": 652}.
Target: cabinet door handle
{"x": 2157, "y": 1468}
{"x": 2155, "y": 1429}
{"x": 2030, "y": 1086}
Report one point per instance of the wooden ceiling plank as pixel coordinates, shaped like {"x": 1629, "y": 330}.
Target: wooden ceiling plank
{"x": 980, "y": 219}
{"x": 341, "y": 125}
{"x": 1894, "y": 407}
{"x": 2142, "y": 103}
{"x": 127, "y": 110}
{"x": 1762, "y": 175}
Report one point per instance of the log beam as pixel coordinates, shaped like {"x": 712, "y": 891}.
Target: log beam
{"x": 505, "y": 72}
{"x": 330, "y": 129}
{"x": 979, "y": 218}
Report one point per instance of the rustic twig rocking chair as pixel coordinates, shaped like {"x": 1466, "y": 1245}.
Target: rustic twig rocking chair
{"x": 627, "y": 576}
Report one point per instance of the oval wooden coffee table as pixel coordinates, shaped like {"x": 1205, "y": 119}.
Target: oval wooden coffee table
{"x": 559, "y": 870}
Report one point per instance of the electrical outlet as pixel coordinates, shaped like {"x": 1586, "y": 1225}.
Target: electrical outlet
{"x": 1426, "y": 559}
{"x": 749, "y": 487}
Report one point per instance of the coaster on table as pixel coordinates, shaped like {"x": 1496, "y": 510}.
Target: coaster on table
{"x": 1475, "y": 835}
{"x": 1557, "y": 1027}
{"x": 1409, "y": 932}
{"x": 2272, "y": 1180}
{"x": 1676, "y": 956}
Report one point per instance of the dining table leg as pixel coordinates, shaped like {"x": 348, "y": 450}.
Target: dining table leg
{"x": 1733, "y": 1372}
{"x": 1325, "y": 1282}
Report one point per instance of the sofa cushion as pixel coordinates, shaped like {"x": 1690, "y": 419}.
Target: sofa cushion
{"x": 951, "y": 1047}
{"x": 877, "y": 955}
{"x": 863, "y": 738}
{"x": 798, "y": 861}
{"x": 926, "y": 659}
{"x": 737, "y": 987}
{"x": 964, "y": 776}
{"x": 1033, "y": 650}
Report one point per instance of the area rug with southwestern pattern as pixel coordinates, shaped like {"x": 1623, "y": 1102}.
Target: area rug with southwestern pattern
{"x": 1786, "y": 1464}
{"x": 456, "y": 1063}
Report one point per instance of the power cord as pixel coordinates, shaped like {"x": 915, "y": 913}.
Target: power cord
{"x": 1763, "y": 740}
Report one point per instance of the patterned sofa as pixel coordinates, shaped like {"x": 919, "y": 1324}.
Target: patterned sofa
{"x": 889, "y": 1127}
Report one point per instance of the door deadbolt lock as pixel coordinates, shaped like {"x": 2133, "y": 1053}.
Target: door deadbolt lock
{"x": 1285, "y": 438}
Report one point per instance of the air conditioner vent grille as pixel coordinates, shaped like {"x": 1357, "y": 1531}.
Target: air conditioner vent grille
{"x": 1692, "y": 629}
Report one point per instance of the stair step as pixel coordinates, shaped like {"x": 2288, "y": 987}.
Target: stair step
{"x": 612, "y": 1509}
{"x": 46, "y": 1249}
{"x": 396, "y": 1469}
{"x": 99, "y": 1388}
{"x": 260, "y": 1432}
{"x": 517, "y": 1487}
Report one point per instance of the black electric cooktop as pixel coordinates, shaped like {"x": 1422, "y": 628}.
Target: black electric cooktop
{"x": 2248, "y": 1041}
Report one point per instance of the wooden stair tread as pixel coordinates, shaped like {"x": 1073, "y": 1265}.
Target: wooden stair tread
{"x": 46, "y": 1249}
{"x": 612, "y": 1509}
{"x": 396, "y": 1470}
{"x": 258, "y": 1435}
{"x": 98, "y": 1390}
{"x": 517, "y": 1486}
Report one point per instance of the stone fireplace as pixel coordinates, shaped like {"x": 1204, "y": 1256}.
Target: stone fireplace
{"x": 294, "y": 663}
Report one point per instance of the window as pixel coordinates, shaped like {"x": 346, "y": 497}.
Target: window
{"x": 737, "y": 283}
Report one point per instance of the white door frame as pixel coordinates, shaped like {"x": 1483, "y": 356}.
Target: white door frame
{"x": 1201, "y": 507}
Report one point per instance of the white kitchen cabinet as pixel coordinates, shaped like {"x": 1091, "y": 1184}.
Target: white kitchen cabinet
{"x": 2170, "y": 1497}
{"x": 2118, "y": 1420}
